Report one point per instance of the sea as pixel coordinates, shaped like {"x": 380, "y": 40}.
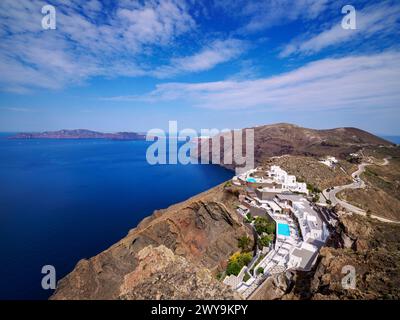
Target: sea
{"x": 394, "y": 139}
{"x": 66, "y": 200}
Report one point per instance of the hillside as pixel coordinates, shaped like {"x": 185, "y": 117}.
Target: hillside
{"x": 381, "y": 197}
{"x": 288, "y": 139}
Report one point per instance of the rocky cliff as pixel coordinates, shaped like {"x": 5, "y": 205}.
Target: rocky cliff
{"x": 200, "y": 234}
{"x": 161, "y": 274}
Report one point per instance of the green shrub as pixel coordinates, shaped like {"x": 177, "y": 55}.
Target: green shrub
{"x": 315, "y": 199}
{"x": 233, "y": 268}
{"x": 266, "y": 240}
{"x": 228, "y": 184}
{"x": 260, "y": 270}
{"x": 312, "y": 188}
{"x": 237, "y": 261}
{"x": 244, "y": 243}
{"x": 263, "y": 225}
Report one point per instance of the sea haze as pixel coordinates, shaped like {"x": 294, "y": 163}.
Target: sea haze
{"x": 64, "y": 200}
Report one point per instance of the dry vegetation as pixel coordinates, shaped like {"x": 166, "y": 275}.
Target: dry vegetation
{"x": 310, "y": 170}
{"x": 381, "y": 197}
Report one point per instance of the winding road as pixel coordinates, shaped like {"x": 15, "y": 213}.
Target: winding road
{"x": 358, "y": 183}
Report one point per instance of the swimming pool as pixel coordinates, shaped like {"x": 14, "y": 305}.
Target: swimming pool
{"x": 251, "y": 180}
{"x": 283, "y": 229}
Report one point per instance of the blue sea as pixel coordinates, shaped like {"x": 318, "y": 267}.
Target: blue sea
{"x": 64, "y": 200}
{"x": 394, "y": 139}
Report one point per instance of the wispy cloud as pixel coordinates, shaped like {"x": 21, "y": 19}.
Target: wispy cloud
{"x": 261, "y": 15}
{"x": 378, "y": 19}
{"x": 351, "y": 82}
{"x": 86, "y": 43}
{"x": 215, "y": 53}
{"x": 17, "y": 109}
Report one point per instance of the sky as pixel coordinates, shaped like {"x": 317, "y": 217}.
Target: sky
{"x": 127, "y": 65}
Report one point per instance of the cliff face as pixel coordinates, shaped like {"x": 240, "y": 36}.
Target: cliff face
{"x": 161, "y": 274}
{"x": 204, "y": 230}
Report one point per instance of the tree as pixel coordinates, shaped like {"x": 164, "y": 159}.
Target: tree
{"x": 244, "y": 243}
{"x": 263, "y": 225}
{"x": 233, "y": 268}
{"x": 237, "y": 261}
{"x": 266, "y": 240}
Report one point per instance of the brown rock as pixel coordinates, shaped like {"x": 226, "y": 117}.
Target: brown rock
{"x": 203, "y": 229}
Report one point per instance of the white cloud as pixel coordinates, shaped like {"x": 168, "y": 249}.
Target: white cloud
{"x": 352, "y": 82}
{"x": 217, "y": 52}
{"x": 380, "y": 19}
{"x": 86, "y": 43}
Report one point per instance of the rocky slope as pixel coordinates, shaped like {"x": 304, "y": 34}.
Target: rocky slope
{"x": 161, "y": 274}
{"x": 288, "y": 139}
{"x": 203, "y": 230}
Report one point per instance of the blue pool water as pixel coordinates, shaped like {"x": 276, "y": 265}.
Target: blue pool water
{"x": 61, "y": 201}
{"x": 283, "y": 229}
{"x": 251, "y": 180}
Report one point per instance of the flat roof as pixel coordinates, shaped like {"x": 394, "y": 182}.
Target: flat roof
{"x": 291, "y": 197}
{"x": 307, "y": 257}
{"x": 273, "y": 205}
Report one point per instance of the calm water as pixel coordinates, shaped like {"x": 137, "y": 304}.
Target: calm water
{"x": 394, "y": 139}
{"x": 61, "y": 201}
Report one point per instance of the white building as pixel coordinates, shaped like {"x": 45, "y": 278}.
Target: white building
{"x": 311, "y": 226}
{"x": 303, "y": 257}
{"x": 329, "y": 161}
{"x": 289, "y": 182}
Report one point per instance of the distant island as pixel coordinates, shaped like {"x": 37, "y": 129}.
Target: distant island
{"x": 79, "y": 134}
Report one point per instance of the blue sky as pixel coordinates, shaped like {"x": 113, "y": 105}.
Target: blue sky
{"x": 135, "y": 65}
